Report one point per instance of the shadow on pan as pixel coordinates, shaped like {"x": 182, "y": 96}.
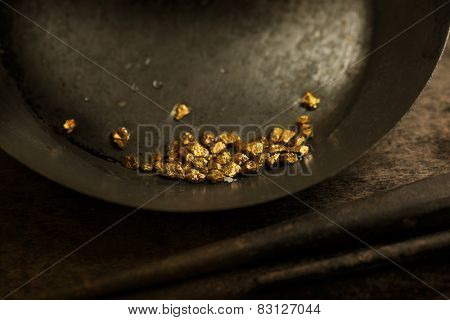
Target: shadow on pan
{"x": 236, "y": 63}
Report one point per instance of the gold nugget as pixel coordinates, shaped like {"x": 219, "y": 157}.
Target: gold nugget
{"x": 69, "y": 125}
{"x": 216, "y": 176}
{"x": 130, "y": 162}
{"x": 231, "y": 169}
{"x": 277, "y": 148}
{"x": 276, "y": 134}
{"x": 308, "y": 132}
{"x": 303, "y": 119}
{"x": 120, "y": 137}
{"x": 193, "y": 175}
{"x": 310, "y": 101}
{"x": 254, "y": 148}
{"x": 146, "y": 166}
{"x": 218, "y": 147}
{"x": 187, "y": 138}
{"x": 223, "y": 158}
{"x": 197, "y": 149}
{"x": 229, "y": 138}
{"x": 240, "y": 158}
{"x": 273, "y": 159}
{"x": 208, "y": 138}
{"x": 287, "y": 135}
{"x": 173, "y": 170}
{"x": 289, "y": 158}
{"x": 180, "y": 110}
{"x": 250, "y": 167}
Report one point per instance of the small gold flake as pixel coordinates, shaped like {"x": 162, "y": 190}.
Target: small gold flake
{"x": 120, "y": 137}
{"x": 276, "y": 134}
{"x": 193, "y": 175}
{"x": 208, "y": 138}
{"x": 231, "y": 169}
{"x": 229, "y": 138}
{"x": 189, "y": 157}
{"x": 172, "y": 155}
{"x": 303, "y": 119}
{"x": 216, "y": 176}
{"x": 197, "y": 149}
{"x": 130, "y": 162}
{"x": 254, "y": 148}
{"x": 310, "y": 101}
{"x": 223, "y": 158}
{"x": 70, "y": 125}
{"x": 287, "y": 135}
{"x": 180, "y": 110}
{"x": 277, "y": 148}
{"x": 218, "y": 147}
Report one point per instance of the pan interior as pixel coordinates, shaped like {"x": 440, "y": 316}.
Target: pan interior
{"x": 235, "y": 62}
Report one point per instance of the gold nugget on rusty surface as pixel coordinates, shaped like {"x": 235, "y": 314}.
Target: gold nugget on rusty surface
{"x": 310, "y": 101}
{"x": 130, "y": 162}
{"x": 69, "y": 125}
{"x": 120, "y": 137}
{"x": 180, "y": 110}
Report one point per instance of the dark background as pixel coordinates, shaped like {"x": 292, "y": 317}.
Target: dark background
{"x": 41, "y": 221}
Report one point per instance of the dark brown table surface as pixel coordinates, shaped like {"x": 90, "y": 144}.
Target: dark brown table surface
{"x": 40, "y": 221}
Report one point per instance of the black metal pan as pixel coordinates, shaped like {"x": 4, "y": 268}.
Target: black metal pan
{"x": 235, "y": 62}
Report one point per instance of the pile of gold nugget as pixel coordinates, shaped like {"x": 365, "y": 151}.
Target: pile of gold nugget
{"x": 222, "y": 157}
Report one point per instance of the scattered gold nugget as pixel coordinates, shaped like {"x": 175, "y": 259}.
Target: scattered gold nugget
{"x": 130, "y": 162}
{"x": 310, "y": 101}
{"x": 69, "y": 125}
{"x": 197, "y": 149}
{"x": 303, "y": 119}
{"x": 273, "y": 159}
{"x": 120, "y": 137}
{"x": 180, "y": 110}
{"x": 146, "y": 166}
